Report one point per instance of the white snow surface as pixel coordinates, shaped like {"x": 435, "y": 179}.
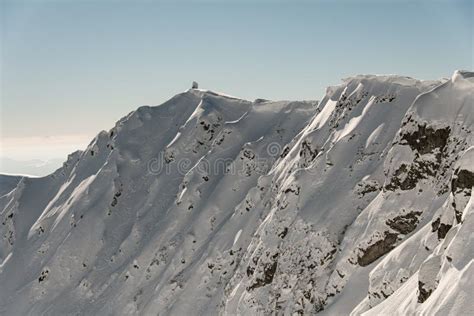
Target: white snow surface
{"x": 208, "y": 204}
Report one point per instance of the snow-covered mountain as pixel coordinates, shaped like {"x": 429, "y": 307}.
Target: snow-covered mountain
{"x": 8, "y": 183}
{"x": 209, "y": 204}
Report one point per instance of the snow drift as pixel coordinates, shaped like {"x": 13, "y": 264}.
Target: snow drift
{"x": 209, "y": 204}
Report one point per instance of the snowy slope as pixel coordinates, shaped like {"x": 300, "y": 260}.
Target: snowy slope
{"x": 209, "y": 204}
{"x": 8, "y": 183}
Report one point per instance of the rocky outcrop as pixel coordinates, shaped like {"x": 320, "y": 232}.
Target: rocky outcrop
{"x": 463, "y": 180}
{"x": 423, "y": 293}
{"x": 377, "y": 249}
{"x": 461, "y": 189}
{"x": 427, "y": 139}
{"x": 424, "y": 142}
{"x": 269, "y": 270}
{"x": 427, "y": 278}
{"x": 307, "y": 154}
{"x": 405, "y": 223}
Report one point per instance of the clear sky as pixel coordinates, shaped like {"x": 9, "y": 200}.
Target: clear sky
{"x": 72, "y": 68}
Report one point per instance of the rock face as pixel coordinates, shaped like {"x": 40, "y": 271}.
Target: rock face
{"x": 404, "y": 224}
{"x": 377, "y": 249}
{"x": 209, "y": 204}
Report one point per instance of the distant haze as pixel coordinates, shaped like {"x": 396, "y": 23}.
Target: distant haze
{"x": 38, "y": 155}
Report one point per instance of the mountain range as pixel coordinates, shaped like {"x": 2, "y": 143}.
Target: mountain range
{"x": 208, "y": 204}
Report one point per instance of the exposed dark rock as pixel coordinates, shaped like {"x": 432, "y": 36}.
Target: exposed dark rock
{"x": 114, "y": 201}
{"x": 250, "y": 271}
{"x": 462, "y": 180}
{"x": 344, "y": 106}
{"x": 269, "y": 270}
{"x": 458, "y": 215}
{"x": 384, "y": 98}
{"x": 169, "y": 157}
{"x": 423, "y": 293}
{"x": 307, "y": 153}
{"x": 247, "y": 153}
{"x": 43, "y": 276}
{"x": 407, "y": 176}
{"x": 443, "y": 230}
{"x": 410, "y": 177}
{"x": 435, "y": 225}
{"x": 328, "y": 257}
{"x": 292, "y": 190}
{"x": 384, "y": 295}
{"x": 404, "y": 224}
{"x": 377, "y": 249}
{"x": 461, "y": 186}
{"x": 426, "y": 139}
{"x": 285, "y": 152}
{"x": 283, "y": 233}
{"x": 369, "y": 189}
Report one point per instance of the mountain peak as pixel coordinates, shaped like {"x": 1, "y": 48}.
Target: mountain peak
{"x": 462, "y": 74}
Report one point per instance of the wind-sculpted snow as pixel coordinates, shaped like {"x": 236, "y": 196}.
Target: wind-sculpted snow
{"x": 209, "y": 204}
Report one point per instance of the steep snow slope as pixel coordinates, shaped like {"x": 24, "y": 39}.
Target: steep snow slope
{"x": 208, "y": 204}
{"x": 8, "y": 183}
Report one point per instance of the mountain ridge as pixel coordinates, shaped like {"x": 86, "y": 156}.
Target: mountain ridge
{"x": 210, "y": 204}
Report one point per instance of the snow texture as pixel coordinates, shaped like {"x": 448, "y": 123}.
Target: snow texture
{"x": 209, "y": 204}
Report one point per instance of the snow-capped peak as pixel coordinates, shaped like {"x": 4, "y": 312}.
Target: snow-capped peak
{"x": 210, "y": 204}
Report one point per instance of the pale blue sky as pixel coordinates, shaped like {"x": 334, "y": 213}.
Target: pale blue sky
{"x": 72, "y": 68}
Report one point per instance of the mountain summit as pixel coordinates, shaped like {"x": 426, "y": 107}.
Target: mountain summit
{"x": 209, "y": 204}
